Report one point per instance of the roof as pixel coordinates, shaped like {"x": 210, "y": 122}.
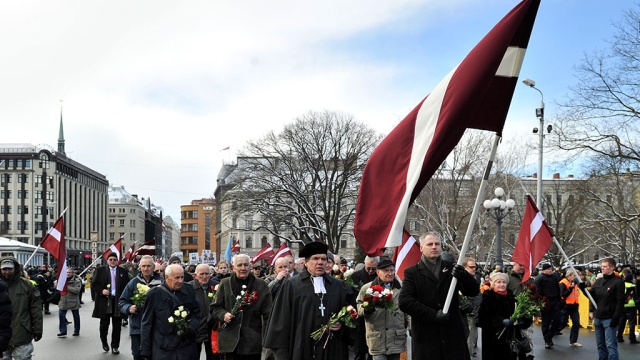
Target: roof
{"x": 8, "y": 244}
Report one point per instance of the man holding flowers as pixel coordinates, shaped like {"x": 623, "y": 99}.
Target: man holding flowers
{"x": 170, "y": 319}
{"x": 242, "y": 304}
{"x": 133, "y": 299}
{"x": 305, "y": 304}
{"x": 385, "y": 324}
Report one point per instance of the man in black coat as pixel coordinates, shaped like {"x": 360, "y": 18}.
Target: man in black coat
{"x": 164, "y": 339}
{"x": 204, "y": 287}
{"x": 108, "y": 283}
{"x": 435, "y": 334}
{"x": 6, "y": 314}
{"x": 547, "y": 284}
{"x": 305, "y": 303}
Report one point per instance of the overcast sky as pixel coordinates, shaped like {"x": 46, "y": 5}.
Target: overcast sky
{"x": 153, "y": 90}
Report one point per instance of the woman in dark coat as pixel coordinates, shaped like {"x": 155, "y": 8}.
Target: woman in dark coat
{"x": 498, "y": 304}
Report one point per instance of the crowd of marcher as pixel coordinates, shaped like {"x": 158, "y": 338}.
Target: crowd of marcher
{"x": 302, "y": 310}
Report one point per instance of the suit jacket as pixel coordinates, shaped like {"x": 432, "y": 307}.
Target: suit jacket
{"x": 99, "y": 280}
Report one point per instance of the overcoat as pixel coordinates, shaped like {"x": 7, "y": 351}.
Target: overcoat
{"x": 246, "y": 329}
{"x": 99, "y": 281}
{"x": 6, "y": 312}
{"x": 125, "y": 302}
{"x": 159, "y": 337}
{"x": 421, "y": 296}
{"x": 493, "y": 310}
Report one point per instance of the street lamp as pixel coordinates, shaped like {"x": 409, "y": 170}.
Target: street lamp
{"x": 498, "y": 210}
{"x": 540, "y": 131}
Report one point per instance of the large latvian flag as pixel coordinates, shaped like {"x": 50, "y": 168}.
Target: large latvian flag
{"x": 282, "y": 252}
{"x": 116, "y": 247}
{"x": 54, "y": 243}
{"x": 264, "y": 253}
{"x": 148, "y": 248}
{"x": 534, "y": 240}
{"x": 476, "y": 94}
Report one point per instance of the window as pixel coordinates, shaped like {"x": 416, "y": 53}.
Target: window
{"x": 194, "y": 214}
{"x": 25, "y": 209}
{"x": 5, "y": 194}
{"x": 11, "y": 164}
{"x": 249, "y": 224}
{"x": 559, "y": 200}
{"x": 132, "y": 211}
{"x": 50, "y": 195}
{"x": 121, "y": 222}
{"x": 183, "y": 227}
{"x": 343, "y": 243}
{"x": 23, "y": 194}
{"x": 27, "y": 164}
{"x": 122, "y": 210}
{"x": 112, "y": 236}
{"x": 234, "y": 223}
{"x": 264, "y": 240}
{"x": 132, "y": 223}
{"x": 572, "y": 200}
{"x": 121, "y": 235}
{"x": 248, "y": 243}
{"x": 193, "y": 227}
{"x": 38, "y": 226}
{"x": 19, "y": 163}
{"x": 44, "y": 161}
{"x": 132, "y": 236}
{"x": 112, "y": 223}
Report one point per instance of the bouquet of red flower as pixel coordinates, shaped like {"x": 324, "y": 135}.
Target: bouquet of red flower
{"x": 244, "y": 299}
{"x": 378, "y": 297}
{"x": 346, "y": 315}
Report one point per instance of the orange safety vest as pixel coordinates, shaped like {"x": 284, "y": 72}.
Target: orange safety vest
{"x": 574, "y": 297}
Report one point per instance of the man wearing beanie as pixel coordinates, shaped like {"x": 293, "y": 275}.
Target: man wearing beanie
{"x": 547, "y": 285}
{"x": 305, "y": 303}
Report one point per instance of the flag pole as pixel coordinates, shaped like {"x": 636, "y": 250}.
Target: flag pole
{"x": 473, "y": 219}
{"x": 38, "y": 247}
{"x": 586, "y": 292}
{"x": 98, "y": 258}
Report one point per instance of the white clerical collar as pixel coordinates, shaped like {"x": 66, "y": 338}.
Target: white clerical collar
{"x": 318, "y": 285}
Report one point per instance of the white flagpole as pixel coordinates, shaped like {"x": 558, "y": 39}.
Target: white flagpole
{"x": 38, "y": 247}
{"x": 472, "y": 220}
{"x": 586, "y": 292}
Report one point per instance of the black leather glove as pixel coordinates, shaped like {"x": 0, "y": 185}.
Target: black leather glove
{"x": 189, "y": 334}
{"x": 441, "y": 317}
{"x": 37, "y": 337}
{"x": 458, "y": 271}
{"x": 507, "y": 323}
{"x": 614, "y": 322}
{"x": 582, "y": 286}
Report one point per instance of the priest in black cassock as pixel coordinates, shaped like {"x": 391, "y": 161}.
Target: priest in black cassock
{"x": 304, "y": 304}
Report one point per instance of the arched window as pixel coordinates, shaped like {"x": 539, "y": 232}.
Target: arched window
{"x": 248, "y": 243}
{"x": 264, "y": 240}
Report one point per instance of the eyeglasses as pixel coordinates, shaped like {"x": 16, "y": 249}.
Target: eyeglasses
{"x": 472, "y": 267}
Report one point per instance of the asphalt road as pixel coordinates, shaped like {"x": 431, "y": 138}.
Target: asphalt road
{"x": 88, "y": 346}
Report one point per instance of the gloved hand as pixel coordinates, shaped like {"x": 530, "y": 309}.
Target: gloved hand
{"x": 458, "y": 271}
{"x": 189, "y": 334}
{"x": 614, "y": 322}
{"x": 507, "y": 323}
{"x": 37, "y": 337}
{"x": 441, "y": 317}
{"x": 582, "y": 286}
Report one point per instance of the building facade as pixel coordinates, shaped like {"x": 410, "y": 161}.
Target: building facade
{"x": 198, "y": 227}
{"x": 37, "y": 184}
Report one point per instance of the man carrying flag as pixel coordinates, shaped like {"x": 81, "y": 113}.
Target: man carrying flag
{"x": 26, "y": 321}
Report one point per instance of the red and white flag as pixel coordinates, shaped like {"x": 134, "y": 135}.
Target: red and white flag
{"x": 129, "y": 254}
{"x": 282, "y": 252}
{"x": 148, "y": 248}
{"x": 476, "y": 94}
{"x": 534, "y": 240}
{"x": 265, "y": 253}
{"x": 116, "y": 247}
{"x": 406, "y": 255}
{"x": 236, "y": 247}
{"x": 54, "y": 242}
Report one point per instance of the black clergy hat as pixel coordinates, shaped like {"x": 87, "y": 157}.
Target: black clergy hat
{"x": 313, "y": 248}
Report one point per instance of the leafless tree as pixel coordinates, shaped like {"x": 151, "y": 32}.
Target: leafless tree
{"x": 303, "y": 181}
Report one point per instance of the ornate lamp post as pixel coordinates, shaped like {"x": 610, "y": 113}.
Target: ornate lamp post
{"x": 498, "y": 210}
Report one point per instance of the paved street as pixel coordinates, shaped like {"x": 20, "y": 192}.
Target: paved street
{"x": 87, "y": 345}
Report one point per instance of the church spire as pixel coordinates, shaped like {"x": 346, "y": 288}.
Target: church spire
{"x": 61, "y": 134}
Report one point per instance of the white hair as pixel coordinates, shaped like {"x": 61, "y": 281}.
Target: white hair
{"x": 375, "y": 259}
{"x": 170, "y": 268}
{"x": 236, "y": 256}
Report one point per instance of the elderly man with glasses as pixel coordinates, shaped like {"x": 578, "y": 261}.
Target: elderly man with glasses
{"x": 361, "y": 277}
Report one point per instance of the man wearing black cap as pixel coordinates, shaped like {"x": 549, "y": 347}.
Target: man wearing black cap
{"x": 547, "y": 285}
{"x": 303, "y": 305}
{"x": 108, "y": 283}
